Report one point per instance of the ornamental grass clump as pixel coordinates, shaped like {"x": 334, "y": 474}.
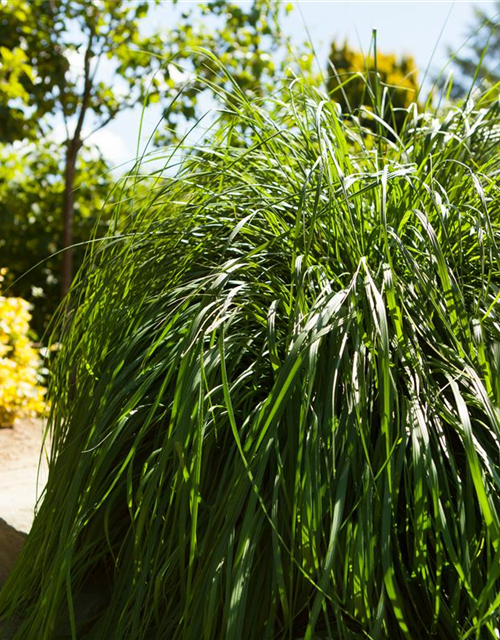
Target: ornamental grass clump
{"x": 275, "y": 408}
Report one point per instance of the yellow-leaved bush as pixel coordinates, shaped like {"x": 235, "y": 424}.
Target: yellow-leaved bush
{"x": 351, "y": 73}
{"x": 21, "y": 391}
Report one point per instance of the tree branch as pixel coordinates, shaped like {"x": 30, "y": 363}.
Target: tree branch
{"x": 60, "y": 85}
{"x": 87, "y": 89}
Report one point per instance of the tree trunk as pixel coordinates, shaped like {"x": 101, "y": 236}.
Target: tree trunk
{"x": 67, "y": 215}
{"x": 72, "y": 148}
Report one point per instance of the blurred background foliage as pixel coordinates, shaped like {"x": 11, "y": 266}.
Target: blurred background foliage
{"x": 479, "y": 58}
{"x": 31, "y": 188}
{"x": 21, "y": 393}
{"x": 74, "y": 66}
{"x": 351, "y": 81}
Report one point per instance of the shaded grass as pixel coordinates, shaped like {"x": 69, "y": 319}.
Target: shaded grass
{"x": 276, "y": 404}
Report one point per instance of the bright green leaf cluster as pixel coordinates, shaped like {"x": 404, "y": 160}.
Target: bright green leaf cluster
{"x": 13, "y": 66}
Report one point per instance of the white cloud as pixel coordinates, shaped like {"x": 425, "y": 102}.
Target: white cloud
{"x": 58, "y": 133}
{"x": 117, "y": 148}
{"x": 113, "y": 146}
{"x": 76, "y": 61}
{"x": 179, "y": 75}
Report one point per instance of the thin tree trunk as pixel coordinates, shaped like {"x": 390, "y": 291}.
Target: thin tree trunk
{"x": 67, "y": 215}
{"x": 72, "y": 148}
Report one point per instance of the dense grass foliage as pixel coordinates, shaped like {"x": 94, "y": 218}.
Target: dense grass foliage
{"x": 276, "y": 405}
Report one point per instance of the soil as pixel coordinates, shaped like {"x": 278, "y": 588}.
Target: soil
{"x": 21, "y": 480}
{"x": 22, "y": 477}
{"x": 21, "y": 484}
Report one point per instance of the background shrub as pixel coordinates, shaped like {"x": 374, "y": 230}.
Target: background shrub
{"x": 21, "y": 393}
{"x": 382, "y": 81}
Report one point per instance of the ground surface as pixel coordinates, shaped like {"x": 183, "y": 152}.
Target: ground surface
{"x": 21, "y": 482}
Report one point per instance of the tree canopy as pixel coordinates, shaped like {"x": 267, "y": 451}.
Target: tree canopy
{"x": 31, "y": 189}
{"x": 77, "y": 64}
{"x": 479, "y": 59}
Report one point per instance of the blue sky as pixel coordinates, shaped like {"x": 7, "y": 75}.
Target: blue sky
{"x": 414, "y": 27}
{"x": 403, "y": 26}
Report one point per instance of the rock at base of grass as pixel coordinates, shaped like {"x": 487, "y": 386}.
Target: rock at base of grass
{"x": 11, "y": 542}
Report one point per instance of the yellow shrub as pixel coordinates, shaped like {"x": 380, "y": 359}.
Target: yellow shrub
{"x": 351, "y": 74}
{"x": 21, "y": 393}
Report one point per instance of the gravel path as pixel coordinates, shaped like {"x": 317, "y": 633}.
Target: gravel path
{"x": 21, "y": 482}
{"x": 19, "y": 459}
